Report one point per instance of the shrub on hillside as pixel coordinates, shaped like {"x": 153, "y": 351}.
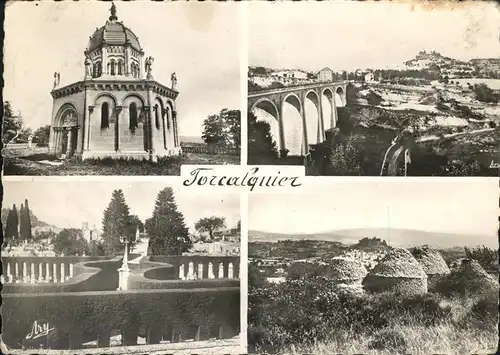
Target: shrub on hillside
{"x": 389, "y": 339}
{"x": 300, "y": 312}
{"x": 485, "y": 311}
{"x": 485, "y": 93}
{"x": 486, "y": 257}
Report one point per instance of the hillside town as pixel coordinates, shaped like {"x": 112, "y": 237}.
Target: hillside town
{"x": 435, "y": 107}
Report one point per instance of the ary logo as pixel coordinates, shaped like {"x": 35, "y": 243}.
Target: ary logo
{"x": 39, "y": 329}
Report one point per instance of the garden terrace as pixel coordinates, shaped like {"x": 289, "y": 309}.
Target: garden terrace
{"x": 73, "y": 274}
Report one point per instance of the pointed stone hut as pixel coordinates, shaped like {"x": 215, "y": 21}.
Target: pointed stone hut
{"x": 346, "y": 271}
{"x": 432, "y": 262}
{"x": 468, "y": 277}
{"x": 398, "y": 272}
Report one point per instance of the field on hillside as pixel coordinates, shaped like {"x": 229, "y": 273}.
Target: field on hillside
{"x": 312, "y": 312}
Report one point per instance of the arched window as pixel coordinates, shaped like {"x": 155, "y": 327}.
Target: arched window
{"x": 120, "y": 67}
{"x": 99, "y": 69}
{"x": 132, "y": 69}
{"x": 109, "y": 66}
{"x": 113, "y": 67}
{"x": 132, "y": 114}
{"x": 94, "y": 70}
{"x": 157, "y": 116}
{"x": 105, "y": 115}
{"x": 167, "y": 118}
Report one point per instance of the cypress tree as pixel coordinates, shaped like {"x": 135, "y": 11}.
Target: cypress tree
{"x": 22, "y": 223}
{"x": 166, "y": 228}
{"x": 12, "y": 228}
{"x": 117, "y": 224}
{"x": 27, "y": 221}
{"x": 9, "y": 225}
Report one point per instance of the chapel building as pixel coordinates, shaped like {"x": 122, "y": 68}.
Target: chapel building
{"x": 118, "y": 110}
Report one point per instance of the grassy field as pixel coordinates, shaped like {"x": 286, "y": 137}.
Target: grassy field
{"x": 34, "y": 162}
{"x": 312, "y": 315}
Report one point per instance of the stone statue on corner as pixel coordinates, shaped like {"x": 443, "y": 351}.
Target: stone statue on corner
{"x": 88, "y": 68}
{"x": 147, "y": 66}
{"x": 173, "y": 77}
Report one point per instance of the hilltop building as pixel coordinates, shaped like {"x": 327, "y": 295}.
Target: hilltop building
{"x": 118, "y": 109}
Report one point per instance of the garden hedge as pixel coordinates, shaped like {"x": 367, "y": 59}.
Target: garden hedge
{"x": 86, "y": 316}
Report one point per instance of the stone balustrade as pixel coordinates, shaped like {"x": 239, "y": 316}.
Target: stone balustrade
{"x": 37, "y": 272}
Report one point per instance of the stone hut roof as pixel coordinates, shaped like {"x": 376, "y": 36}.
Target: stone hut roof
{"x": 345, "y": 269}
{"x": 399, "y": 263}
{"x": 431, "y": 261}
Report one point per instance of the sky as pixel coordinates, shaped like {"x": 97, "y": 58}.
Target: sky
{"x": 67, "y": 204}
{"x": 462, "y": 206}
{"x": 198, "y": 41}
{"x": 354, "y": 34}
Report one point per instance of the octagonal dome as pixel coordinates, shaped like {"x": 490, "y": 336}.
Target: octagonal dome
{"x": 113, "y": 33}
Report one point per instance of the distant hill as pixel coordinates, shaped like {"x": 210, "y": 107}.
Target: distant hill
{"x": 35, "y": 222}
{"x": 397, "y": 237}
{"x": 481, "y": 67}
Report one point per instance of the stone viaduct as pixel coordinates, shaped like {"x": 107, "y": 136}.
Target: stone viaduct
{"x": 312, "y": 128}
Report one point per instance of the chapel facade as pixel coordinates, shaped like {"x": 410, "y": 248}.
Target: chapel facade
{"x": 118, "y": 109}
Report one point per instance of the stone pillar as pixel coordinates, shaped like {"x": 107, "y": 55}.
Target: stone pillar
{"x": 62, "y": 273}
{"x": 86, "y": 131}
{"x": 181, "y": 272}
{"x": 40, "y": 272}
{"x": 118, "y": 110}
{"x": 54, "y": 272}
{"x": 281, "y": 128}
{"x": 151, "y": 126}
{"x": 126, "y": 70}
{"x": 147, "y": 127}
{"x": 230, "y": 271}
{"x": 190, "y": 270}
{"x": 32, "y": 274}
{"x": 305, "y": 143}
{"x": 221, "y": 271}
{"x": 321, "y": 126}
{"x": 88, "y": 128}
{"x": 70, "y": 270}
{"x": 334, "y": 111}
{"x": 211, "y": 274}
{"x": 175, "y": 130}
{"x": 16, "y": 269}
{"x": 9, "y": 275}
{"x": 70, "y": 138}
{"x": 104, "y": 60}
{"x": 25, "y": 271}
